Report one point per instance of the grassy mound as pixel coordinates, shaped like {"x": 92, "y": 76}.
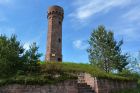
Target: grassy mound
{"x": 50, "y": 73}
{"x": 86, "y": 68}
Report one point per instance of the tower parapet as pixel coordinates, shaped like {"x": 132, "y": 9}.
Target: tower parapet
{"x": 55, "y": 10}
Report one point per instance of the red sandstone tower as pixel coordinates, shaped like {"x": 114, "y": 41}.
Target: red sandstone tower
{"x": 54, "y": 38}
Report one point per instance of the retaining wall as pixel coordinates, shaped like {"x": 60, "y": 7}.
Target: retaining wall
{"x": 105, "y": 85}
{"x": 71, "y": 86}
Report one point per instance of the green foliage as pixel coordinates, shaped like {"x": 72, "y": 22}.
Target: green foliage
{"x": 139, "y": 82}
{"x": 77, "y": 68}
{"x": 105, "y": 52}
{"x": 23, "y": 67}
{"x": 10, "y": 55}
{"x": 56, "y": 72}
{"x": 52, "y": 69}
{"x": 31, "y": 58}
{"x": 33, "y": 80}
{"x": 68, "y": 68}
{"x": 134, "y": 63}
{"x": 128, "y": 73}
{"x": 14, "y": 60}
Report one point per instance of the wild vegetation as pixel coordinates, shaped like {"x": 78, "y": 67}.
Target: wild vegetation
{"x": 14, "y": 58}
{"x": 22, "y": 66}
{"x": 55, "y": 72}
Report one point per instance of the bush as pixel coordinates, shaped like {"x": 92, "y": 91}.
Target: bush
{"x": 10, "y": 55}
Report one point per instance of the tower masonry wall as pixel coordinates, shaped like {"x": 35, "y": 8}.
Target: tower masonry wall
{"x": 54, "y": 37}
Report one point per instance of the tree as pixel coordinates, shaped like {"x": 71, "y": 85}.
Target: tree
{"x": 104, "y": 51}
{"x": 10, "y": 55}
{"x": 134, "y": 63}
{"x": 31, "y": 57}
{"x": 14, "y": 59}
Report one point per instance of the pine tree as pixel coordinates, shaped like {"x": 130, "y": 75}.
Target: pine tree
{"x": 104, "y": 51}
{"x": 10, "y": 55}
{"x": 31, "y": 57}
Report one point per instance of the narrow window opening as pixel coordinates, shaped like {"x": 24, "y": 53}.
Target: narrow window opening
{"x": 59, "y": 40}
{"x": 59, "y": 59}
{"x": 59, "y": 22}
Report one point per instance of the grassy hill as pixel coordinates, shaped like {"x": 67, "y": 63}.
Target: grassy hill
{"x": 49, "y": 73}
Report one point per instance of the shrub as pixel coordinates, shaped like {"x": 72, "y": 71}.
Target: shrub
{"x": 10, "y": 55}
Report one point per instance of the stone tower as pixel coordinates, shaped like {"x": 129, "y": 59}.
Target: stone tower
{"x": 54, "y": 38}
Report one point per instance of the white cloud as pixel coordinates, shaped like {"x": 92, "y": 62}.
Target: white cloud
{"x": 79, "y": 44}
{"x": 132, "y": 15}
{"x": 89, "y": 8}
{"x": 128, "y": 33}
{"x": 129, "y": 24}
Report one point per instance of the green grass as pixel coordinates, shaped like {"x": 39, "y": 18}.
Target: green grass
{"x": 66, "y": 71}
{"x": 34, "y": 79}
{"x": 79, "y": 67}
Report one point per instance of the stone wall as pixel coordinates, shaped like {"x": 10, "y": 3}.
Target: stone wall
{"x": 69, "y": 86}
{"x": 112, "y": 85}
{"x": 105, "y": 85}
{"x": 86, "y": 84}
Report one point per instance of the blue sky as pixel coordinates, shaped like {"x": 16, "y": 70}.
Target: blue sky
{"x": 28, "y": 20}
